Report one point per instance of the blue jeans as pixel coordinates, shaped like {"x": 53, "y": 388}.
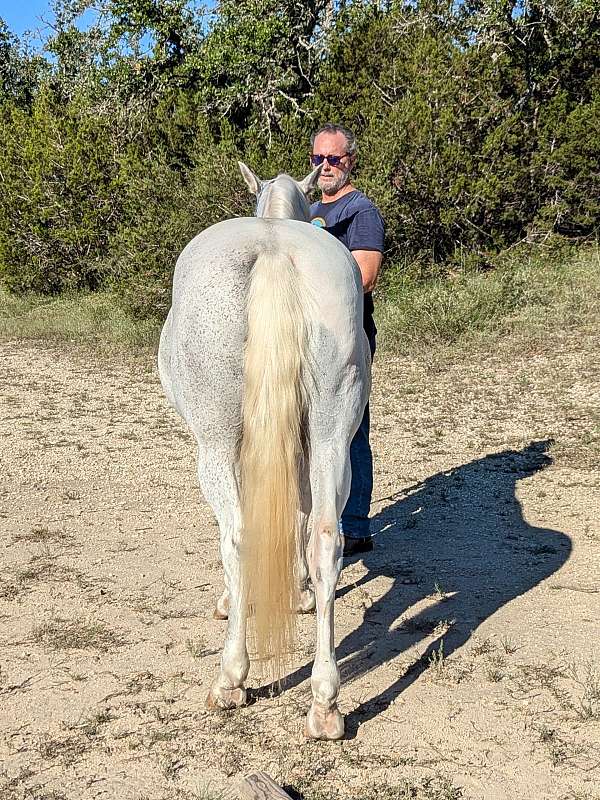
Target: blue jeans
{"x": 355, "y": 517}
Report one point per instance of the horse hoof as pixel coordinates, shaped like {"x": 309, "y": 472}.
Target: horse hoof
{"x": 306, "y": 602}
{"x": 324, "y": 723}
{"x": 222, "y": 608}
{"x": 220, "y": 699}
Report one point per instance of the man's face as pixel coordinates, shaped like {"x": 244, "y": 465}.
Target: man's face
{"x": 332, "y": 179}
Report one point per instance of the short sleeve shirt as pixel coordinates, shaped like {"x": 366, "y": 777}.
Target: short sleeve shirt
{"x": 357, "y": 223}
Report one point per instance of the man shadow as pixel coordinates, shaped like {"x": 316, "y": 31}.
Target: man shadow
{"x": 459, "y": 541}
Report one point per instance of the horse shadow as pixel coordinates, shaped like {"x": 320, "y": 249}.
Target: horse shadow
{"x": 458, "y": 540}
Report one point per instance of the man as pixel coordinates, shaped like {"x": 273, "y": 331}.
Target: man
{"x": 356, "y": 222}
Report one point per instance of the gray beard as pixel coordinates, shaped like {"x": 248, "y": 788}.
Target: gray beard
{"x": 335, "y": 186}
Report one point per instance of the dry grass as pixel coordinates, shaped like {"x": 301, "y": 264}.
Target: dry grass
{"x": 426, "y": 625}
{"x": 494, "y": 667}
{"x": 66, "y": 749}
{"x": 90, "y": 319}
{"x": 42, "y": 534}
{"x": 587, "y": 678}
{"x": 76, "y": 634}
{"x": 38, "y": 570}
{"x": 16, "y": 788}
{"x": 532, "y": 290}
{"x": 435, "y": 787}
{"x": 206, "y": 793}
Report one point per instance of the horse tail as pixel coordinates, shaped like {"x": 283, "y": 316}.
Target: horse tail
{"x": 275, "y": 405}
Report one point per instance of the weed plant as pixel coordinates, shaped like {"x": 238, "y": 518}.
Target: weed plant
{"x": 529, "y": 292}
{"x": 95, "y": 319}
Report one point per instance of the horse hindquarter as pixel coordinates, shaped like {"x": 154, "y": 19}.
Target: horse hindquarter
{"x": 254, "y": 304}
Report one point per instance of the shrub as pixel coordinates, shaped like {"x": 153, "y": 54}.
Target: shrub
{"x": 58, "y": 206}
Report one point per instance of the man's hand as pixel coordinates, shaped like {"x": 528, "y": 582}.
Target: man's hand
{"x": 369, "y": 262}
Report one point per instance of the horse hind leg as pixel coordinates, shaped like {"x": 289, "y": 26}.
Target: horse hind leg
{"x": 330, "y": 482}
{"x": 306, "y": 595}
{"x": 324, "y": 720}
{"x": 164, "y": 359}
{"x": 219, "y": 484}
{"x": 222, "y": 606}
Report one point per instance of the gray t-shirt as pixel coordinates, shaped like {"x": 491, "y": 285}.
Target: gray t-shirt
{"x": 357, "y": 223}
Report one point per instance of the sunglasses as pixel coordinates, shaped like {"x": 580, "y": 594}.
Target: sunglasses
{"x": 333, "y": 161}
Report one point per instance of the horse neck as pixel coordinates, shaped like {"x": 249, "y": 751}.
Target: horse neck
{"x": 281, "y": 200}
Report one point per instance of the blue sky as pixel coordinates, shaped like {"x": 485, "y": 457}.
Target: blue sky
{"x": 23, "y": 15}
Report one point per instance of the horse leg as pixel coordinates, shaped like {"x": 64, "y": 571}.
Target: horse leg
{"x": 164, "y": 359}
{"x": 218, "y": 480}
{"x": 222, "y": 606}
{"x": 306, "y": 596}
{"x": 324, "y": 720}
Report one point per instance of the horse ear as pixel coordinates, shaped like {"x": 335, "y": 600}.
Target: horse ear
{"x": 252, "y": 181}
{"x": 309, "y": 183}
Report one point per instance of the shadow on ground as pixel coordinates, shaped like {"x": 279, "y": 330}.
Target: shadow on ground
{"x": 462, "y": 531}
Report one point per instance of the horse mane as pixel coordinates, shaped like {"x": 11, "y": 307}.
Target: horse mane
{"x": 281, "y": 198}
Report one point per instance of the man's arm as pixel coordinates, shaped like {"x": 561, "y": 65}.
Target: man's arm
{"x": 369, "y": 263}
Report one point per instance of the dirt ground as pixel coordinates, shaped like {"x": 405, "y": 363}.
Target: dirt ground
{"x": 469, "y": 640}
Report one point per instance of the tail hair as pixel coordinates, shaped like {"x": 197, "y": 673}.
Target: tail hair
{"x": 272, "y": 447}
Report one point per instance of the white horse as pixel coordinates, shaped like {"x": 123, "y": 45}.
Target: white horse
{"x": 264, "y": 356}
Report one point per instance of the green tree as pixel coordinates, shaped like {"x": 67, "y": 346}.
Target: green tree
{"x": 258, "y": 61}
{"x": 172, "y": 185}
{"x": 477, "y": 121}
{"x": 20, "y": 70}
{"x": 57, "y": 206}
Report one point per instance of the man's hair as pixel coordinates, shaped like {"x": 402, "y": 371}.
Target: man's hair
{"x": 331, "y": 127}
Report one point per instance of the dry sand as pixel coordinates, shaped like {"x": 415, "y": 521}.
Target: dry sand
{"x": 469, "y": 641}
